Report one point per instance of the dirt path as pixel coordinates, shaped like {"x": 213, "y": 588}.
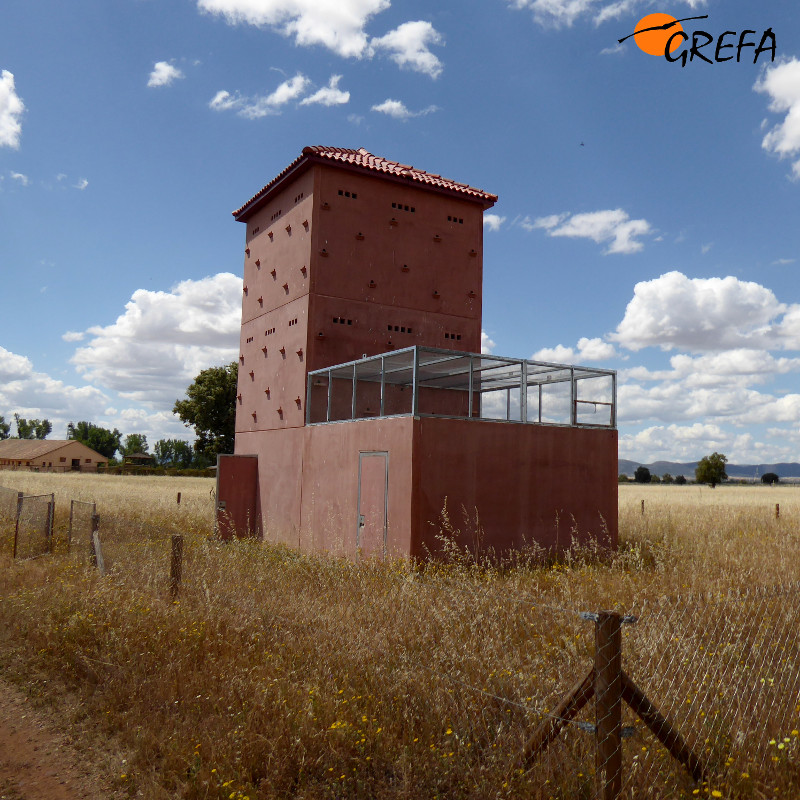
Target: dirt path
{"x": 37, "y": 762}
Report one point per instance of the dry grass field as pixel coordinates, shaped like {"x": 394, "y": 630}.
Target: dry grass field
{"x": 278, "y": 674}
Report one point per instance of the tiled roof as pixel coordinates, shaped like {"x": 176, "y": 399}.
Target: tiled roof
{"x": 28, "y": 449}
{"x": 364, "y": 159}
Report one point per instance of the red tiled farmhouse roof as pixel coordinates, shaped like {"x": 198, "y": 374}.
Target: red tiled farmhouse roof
{"x": 29, "y": 449}
{"x": 364, "y": 160}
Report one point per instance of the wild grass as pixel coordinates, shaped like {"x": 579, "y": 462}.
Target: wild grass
{"x": 279, "y": 674}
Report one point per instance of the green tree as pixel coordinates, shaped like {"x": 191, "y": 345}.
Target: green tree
{"x": 173, "y": 453}
{"x": 102, "y": 440}
{"x": 5, "y": 428}
{"x": 642, "y": 475}
{"x": 770, "y": 478}
{"x": 210, "y": 408}
{"x": 623, "y": 478}
{"x": 680, "y": 480}
{"x": 667, "y": 478}
{"x": 134, "y": 443}
{"x": 711, "y": 469}
{"x": 32, "y": 428}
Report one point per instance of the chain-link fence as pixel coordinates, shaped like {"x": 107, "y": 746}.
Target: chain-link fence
{"x": 33, "y": 534}
{"x": 693, "y": 692}
{"x": 9, "y": 506}
{"x": 8, "y": 503}
{"x": 81, "y": 521}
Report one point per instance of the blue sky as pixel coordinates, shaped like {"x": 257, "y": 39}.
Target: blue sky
{"x": 647, "y": 218}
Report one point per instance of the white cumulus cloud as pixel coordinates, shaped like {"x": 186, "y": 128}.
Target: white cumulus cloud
{"x": 408, "y": 46}
{"x": 29, "y": 393}
{"x": 330, "y": 95}
{"x": 11, "y": 109}
{"x": 487, "y": 344}
{"x": 164, "y": 74}
{"x": 398, "y": 110}
{"x": 261, "y": 105}
{"x": 613, "y": 226}
{"x": 587, "y": 350}
{"x": 702, "y": 314}
{"x": 338, "y": 25}
{"x": 153, "y": 351}
{"x": 493, "y": 222}
{"x": 782, "y": 83}
{"x": 20, "y": 178}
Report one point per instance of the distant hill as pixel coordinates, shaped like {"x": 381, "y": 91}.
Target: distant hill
{"x": 784, "y": 470}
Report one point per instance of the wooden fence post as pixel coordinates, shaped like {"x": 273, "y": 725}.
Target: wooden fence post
{"x": 179, "y": 498}
{"x": 51, "y": 516}
{"x": 642, "y": 506}
{"x": 608, "y": 702}
{"x": 777, "y": 510}
{"x": 16, "y": 524}
{"x": 176, "y": 565}
{"x": 96, "y": 549}
{"x": 69, "y": 531}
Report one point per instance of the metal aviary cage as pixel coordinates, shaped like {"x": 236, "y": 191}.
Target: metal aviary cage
{"x": 430, "y": 382}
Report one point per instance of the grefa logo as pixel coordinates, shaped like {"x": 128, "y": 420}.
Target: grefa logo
{"x": 663, "y": 35}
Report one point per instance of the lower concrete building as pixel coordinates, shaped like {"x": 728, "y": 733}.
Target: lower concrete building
{"x": 406, "y": 453}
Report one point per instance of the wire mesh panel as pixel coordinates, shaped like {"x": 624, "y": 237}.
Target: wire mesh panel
{"x": 80, "y": 524}
{"x": 34, "y": 529}
{"x": 8, "y": 503}
{"x": 726, "y": 675}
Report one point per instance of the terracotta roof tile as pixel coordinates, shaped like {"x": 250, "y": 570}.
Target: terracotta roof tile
{"x": 366, "y": 160}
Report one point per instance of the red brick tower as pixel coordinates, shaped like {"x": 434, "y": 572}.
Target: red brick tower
{"x": 348, "y": 254}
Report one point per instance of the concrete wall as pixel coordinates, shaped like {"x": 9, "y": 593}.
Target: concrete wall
{"x": 331, "y": 483}
{"x": 280, "y": 470}
{"x": 526, "y": 482}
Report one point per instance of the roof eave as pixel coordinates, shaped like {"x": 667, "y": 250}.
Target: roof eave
{"x": 309, "y": 157}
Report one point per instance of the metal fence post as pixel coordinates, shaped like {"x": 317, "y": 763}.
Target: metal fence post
{"x": 608, "y": 703}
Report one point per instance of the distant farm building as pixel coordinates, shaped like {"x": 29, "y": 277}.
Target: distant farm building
{"x": 138, "y": 460}
{"x": 364, "y": 404}
{"x": 49, "y": 455}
